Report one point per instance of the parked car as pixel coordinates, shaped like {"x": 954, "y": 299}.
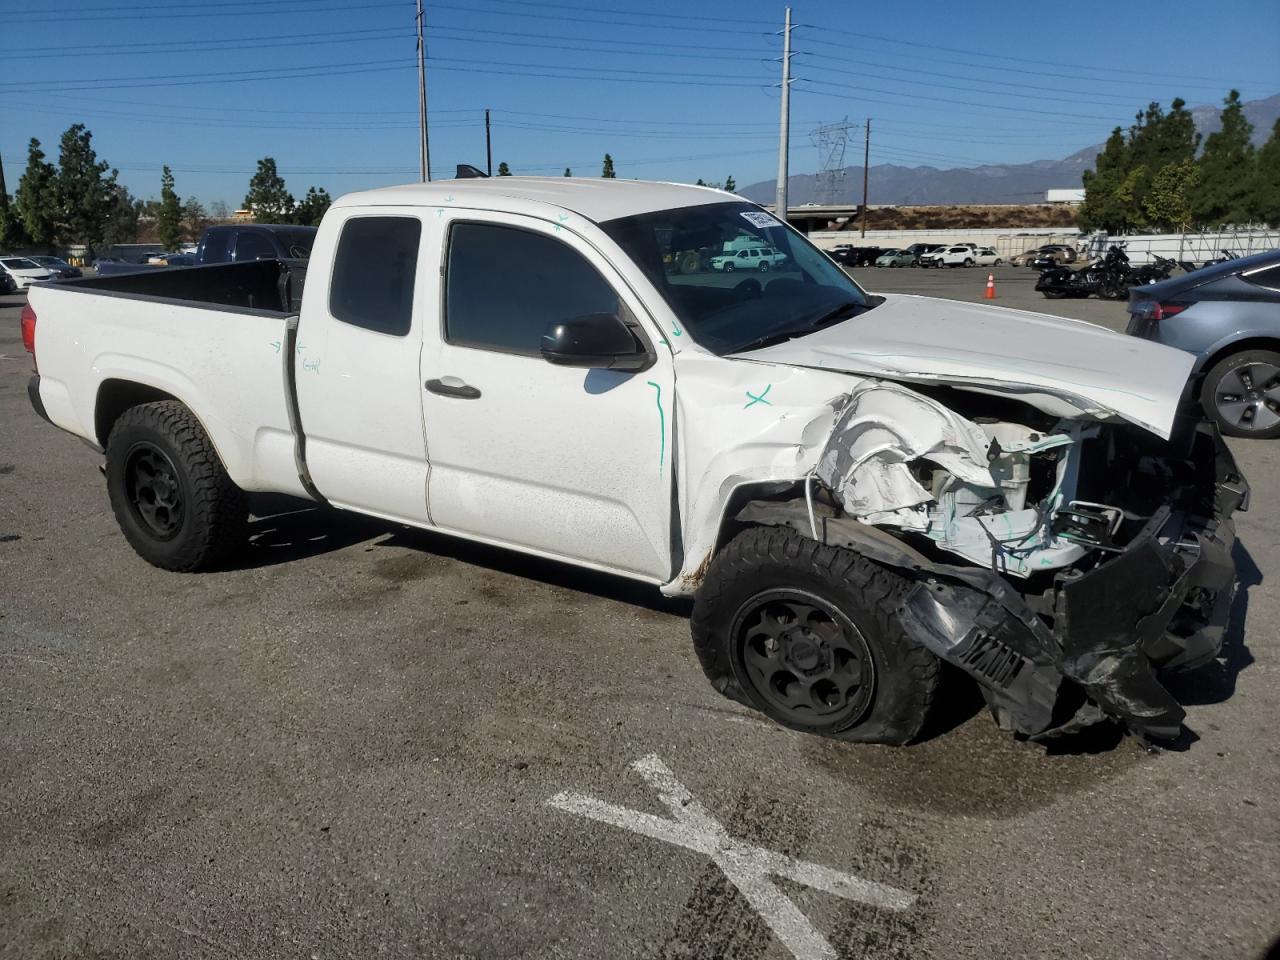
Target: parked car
{"x": 518, "y": 357}
{"x": 180, "y": 260}
{"x": 896, "y": 258}
{"x": 954, "y": 256}
{"x": 758, "y": 258}
{"x": 1052, "y": 255}
{"x": 64, "y": 270}
{"x": 850, "y": 256}
{"x": 24, "y": 271}
{"x": 987, "y": 257}
{"x": 237, "y": 242}
{"x": 1228, "y": 315}
{"x": 920, "y": 249}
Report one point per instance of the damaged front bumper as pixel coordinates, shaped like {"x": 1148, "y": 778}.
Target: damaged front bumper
{"x": 1088, "y": 645}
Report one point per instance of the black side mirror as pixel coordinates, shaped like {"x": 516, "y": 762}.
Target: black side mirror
{"x": 597, "y": 340}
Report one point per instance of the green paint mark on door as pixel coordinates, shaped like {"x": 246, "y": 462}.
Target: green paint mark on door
{"x": 662, "y": 425}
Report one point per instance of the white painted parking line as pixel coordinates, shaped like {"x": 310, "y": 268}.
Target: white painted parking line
{"x": 747, "y": 866}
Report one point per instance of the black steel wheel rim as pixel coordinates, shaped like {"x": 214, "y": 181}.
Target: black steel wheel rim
{"x": 1248, "y": 396}
{"x": 803, "y": 657}
{"x": 154, "y": 490}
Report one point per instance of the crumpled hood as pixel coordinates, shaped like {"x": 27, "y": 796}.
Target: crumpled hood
{"x": 1033, "y": 355}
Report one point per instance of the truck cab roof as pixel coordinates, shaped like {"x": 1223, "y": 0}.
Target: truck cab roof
{"x": 597, "y": 199}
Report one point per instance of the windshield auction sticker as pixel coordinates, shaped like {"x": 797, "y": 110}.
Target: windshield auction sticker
{"x": 758, "y": 218}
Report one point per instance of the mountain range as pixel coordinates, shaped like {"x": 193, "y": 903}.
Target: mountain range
{"x": 891, "y": 183}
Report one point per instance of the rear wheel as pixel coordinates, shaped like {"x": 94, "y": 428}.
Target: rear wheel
{"x": 169, "y": 491}
{"x": 1242, "y": 393}
{"x": 764, "y": 266}
{"x": 809, "y": 635}
{"x": 968, "y": 261}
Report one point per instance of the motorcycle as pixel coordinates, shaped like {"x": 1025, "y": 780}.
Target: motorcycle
{"x": 1108, "y": 278}
{"x": 1160, "y": 268}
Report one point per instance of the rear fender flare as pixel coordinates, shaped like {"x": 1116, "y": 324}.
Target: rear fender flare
{"x": 127, "y": 381}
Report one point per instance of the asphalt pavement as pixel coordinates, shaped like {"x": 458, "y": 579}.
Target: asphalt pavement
{"x": 370, "y": 741}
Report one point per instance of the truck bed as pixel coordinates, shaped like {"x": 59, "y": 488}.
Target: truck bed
{"x": 220, "y": 338}
{"x": 272, "y": 286}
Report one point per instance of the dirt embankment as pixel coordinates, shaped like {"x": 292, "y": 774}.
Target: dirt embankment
{"x": 967, "y": 216}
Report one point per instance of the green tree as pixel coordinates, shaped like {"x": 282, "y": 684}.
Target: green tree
{"x": 169, "y": 218}
{"x": 607, "y": 171}
{"x": 568, "y": 172}
{"x": 36, "y": 200}
{"x": 122, "y": 222}
{"x": 503, "y": 169}
{"x": 85, "y": 190}
{"x": 729, "y": 185}
{"x": 1265, "y": 194}
{"x": 1157, "y": 140}
{"x": 1106, "y": 187}
{"x": 313, "y": 206}
{"x": 194, "y": 219}
{"x": 267, "y": 196}
{"x": 1168, "y": 200}
{"x": 1226, "y": 169}
{"x": 11, "y": 232}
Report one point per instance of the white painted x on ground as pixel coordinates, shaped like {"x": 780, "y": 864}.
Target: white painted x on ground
{"x": 747, "y": 866}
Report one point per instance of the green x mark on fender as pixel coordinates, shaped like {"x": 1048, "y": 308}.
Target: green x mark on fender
{"x": 754, "y": 399}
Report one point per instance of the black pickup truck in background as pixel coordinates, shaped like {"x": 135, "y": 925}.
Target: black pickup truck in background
{"x": 236, "y": 243}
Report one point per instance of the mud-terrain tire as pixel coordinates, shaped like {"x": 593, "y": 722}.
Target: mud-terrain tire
{"x": 169, "y": 491}
{"x": 765, "y": 570}
{"x": 1251, "y": 376}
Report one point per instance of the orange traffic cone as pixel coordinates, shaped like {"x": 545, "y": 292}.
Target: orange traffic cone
{"x": 991, "y": 287}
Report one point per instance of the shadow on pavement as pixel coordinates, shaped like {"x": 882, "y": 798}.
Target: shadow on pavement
{"x": 283, "y": 529}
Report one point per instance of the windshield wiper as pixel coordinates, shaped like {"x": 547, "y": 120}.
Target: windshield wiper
{"x": 841, "y": 312}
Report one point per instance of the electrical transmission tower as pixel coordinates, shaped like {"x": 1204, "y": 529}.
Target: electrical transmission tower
{"x": 831, "y": 140}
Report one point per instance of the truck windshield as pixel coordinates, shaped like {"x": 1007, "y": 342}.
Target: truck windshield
{"x": 735, "y": 276}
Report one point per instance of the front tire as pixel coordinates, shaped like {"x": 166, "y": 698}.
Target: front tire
{"x": 169, "y": 490}
{"x": 1242, "y": 394}
{"x": 729, "y": 268}
{"x": 809, "y": 635}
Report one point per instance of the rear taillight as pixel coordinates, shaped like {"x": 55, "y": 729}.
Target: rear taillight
{"x": 28, "y": 321}
{"x": 1165, "y": 310}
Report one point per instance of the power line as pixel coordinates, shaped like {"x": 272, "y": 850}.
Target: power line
{"x": 1002, "y": 86}
{"x": 171, "y": 14}
{"x": 1076, "y": 77}
{"x": 996, "y": 56}
{"x": 858, "y": 93}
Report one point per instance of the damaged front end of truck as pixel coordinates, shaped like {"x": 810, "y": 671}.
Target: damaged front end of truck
{"x": 1060, "y": 561}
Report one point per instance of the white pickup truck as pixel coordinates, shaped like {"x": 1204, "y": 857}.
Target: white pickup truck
{"x": 852, "y": 487}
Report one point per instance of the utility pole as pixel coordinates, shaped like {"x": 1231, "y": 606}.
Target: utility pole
{"x": 866, "y": 159}
{"x": 784, "y": 143}
{"x": 424, "y": 153}
{"x": 488, "y": 146}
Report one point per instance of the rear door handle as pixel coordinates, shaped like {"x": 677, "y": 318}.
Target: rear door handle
{"x": 453, "y": 387}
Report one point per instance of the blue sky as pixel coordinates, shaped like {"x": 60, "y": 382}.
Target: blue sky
{"x": 673, "y": 90}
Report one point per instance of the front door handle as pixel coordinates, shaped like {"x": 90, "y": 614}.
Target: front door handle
{"x": 453, "y": 387}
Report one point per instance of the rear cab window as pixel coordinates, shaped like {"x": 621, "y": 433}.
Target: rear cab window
{"x": 373, "y": 274}
{"x": 253, "y": 245}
